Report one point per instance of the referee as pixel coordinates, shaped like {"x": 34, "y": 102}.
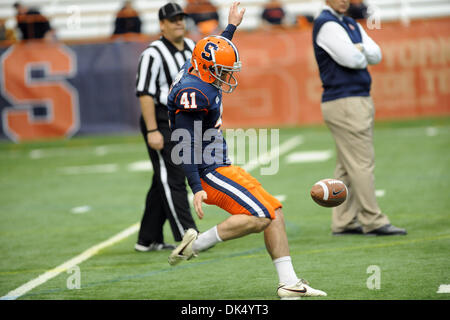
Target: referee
{"x": 167, "y": 197}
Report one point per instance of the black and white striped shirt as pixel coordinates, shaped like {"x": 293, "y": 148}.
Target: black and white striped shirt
{"x": 158, "y": 66}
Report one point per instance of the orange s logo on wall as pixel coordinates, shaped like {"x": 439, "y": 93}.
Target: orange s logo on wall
{"x": 44, "y": 104}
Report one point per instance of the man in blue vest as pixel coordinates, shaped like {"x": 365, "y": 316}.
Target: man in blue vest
{"x": 343, "y": 50}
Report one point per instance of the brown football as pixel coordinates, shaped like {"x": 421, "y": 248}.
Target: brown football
{"x": 329, "y": 192}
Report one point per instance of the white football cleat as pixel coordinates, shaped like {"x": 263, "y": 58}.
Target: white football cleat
{"x": 184, "y": 250}
{"x": 298, "y": 290}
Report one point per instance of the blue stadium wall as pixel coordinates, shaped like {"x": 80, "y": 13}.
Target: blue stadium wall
{"x": 101, "y": 78}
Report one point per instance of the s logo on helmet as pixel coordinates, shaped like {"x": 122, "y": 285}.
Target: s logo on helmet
{"x": 206, "y": 54}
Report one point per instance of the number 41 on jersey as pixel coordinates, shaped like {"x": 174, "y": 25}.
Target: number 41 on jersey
{"x": 185, "y": 100}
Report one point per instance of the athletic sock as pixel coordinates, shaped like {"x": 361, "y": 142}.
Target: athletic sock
{"x": 206, "y": 240}
{"x": 285, "y": 269}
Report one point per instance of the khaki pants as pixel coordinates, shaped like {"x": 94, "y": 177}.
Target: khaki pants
{"x": 351, "y": 121}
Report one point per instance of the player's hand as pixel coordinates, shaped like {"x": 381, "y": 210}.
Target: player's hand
{"x": 155, "y": 140}
{"x": 235, "y": 16}
{"x": 199, "y": 197}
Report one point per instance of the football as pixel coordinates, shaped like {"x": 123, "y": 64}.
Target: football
{"x": 329, "y": 192}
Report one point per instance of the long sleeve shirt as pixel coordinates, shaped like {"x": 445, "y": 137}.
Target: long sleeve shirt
{"x": 335, "y": 41}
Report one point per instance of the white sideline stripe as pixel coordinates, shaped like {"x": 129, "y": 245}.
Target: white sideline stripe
{"x": 444, "y": 288}
{"x": 20, "y": 291}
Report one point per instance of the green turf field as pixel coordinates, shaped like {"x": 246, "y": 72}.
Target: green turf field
{"x": 60, "y": 198}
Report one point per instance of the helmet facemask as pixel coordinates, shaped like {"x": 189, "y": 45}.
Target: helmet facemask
{"x": 224, "y": 75}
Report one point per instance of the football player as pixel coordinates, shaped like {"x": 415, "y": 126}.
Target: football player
{"x": 195, "y": 111}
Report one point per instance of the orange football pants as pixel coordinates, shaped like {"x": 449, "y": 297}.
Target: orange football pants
{"x": 237, "y": 192}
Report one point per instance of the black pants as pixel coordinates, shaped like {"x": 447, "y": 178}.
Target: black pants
{"x": 167, "y": 196}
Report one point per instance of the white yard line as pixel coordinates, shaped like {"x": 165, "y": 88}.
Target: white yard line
{"x": 309, "y": 156}
{"x": 23, "y": 289}
{"x": 137, "y": 166}
{"x": 432, "y": 131}
{"x": 273, "y": 153}
{"x": 144, "y": 165}
{"x": 96, "y": 150}
{"x": 81, "y": 209}
{"x": 444, "y": 288}
{"x": 89, "y": 169}
{"x": 281, "y": 197}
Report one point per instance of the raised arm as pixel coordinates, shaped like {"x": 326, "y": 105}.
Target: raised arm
{"x": 235, "y": 17}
